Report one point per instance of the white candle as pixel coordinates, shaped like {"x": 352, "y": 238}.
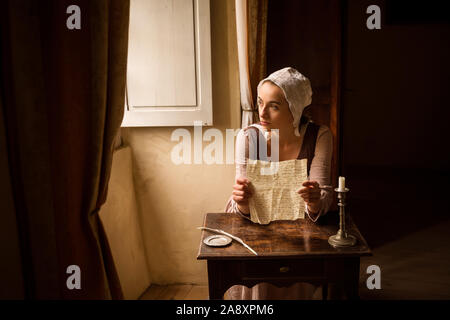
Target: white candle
{"x": 341, "y": 183}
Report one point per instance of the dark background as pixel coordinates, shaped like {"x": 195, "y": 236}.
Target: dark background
{"x": 394, "y": 106}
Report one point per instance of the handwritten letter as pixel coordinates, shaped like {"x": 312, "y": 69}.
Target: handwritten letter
{"x": 274, "y": 196}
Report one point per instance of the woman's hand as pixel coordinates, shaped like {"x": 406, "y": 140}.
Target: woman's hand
{"x": 311, "y": 195}
{"x": 241, "y": 192}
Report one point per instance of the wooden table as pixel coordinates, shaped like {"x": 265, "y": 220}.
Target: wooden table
{"x": 288, "y": 252}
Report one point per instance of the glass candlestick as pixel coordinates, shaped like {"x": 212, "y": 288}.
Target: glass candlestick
{"x": 341, "y": 238}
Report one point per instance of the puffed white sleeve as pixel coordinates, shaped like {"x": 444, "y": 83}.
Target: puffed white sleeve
{"x": 241, "y": 155}
{"x": 320, "y": 170}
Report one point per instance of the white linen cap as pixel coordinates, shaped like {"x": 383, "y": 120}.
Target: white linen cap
{"x": 297, "y": 91}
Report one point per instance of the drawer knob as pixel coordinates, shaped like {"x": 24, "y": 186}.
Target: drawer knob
{"x": 284, "y": 269}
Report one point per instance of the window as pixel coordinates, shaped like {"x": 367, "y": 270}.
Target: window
{"x": 169, "y": 64}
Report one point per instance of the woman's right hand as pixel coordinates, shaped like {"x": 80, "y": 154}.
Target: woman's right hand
{"x": 241, "y": 191}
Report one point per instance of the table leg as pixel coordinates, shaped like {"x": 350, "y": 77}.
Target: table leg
{"x": 351, "y": 278}
{"x": 325, "y": 291}
{"x": 215, "y": 281}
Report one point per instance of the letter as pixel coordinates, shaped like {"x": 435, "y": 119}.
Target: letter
{"x": 198, "y": 143}
{"x": 216, "y": 146}
{"x": 188, "y": 310}
{"x": 274, "y": 153}
{"x": 245, "y": 309}
{"x": 184, "y": 146}
{"x": 198, "y": 310}
{"x": 230, "y": 134}
{"x": 206, "y": 311}
{"x": 252, "y": 149}
{"x": 73, "y": 21}
{"x": 374, "y": 21}
{"x": 374, "y": 281}
{"x": 179, "y": 310}
{"x": 230, "y": 309}
{"x": 261, "y": 310}
{"x": 74, "y": 280}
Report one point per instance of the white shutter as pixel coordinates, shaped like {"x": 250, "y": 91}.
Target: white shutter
{"x": 169, "y": 64}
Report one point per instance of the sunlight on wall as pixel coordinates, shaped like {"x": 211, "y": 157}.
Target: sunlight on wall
{"x": 173, "y": 199}
{"x": 120, "y": 218}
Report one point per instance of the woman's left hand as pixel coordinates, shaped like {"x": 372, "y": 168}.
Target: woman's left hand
{"x": 311, "y": 194}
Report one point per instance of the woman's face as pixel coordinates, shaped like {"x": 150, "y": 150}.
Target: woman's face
{"x": 273, "y": 108}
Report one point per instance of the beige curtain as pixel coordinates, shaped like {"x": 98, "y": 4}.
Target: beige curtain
{"x": 62, "y": 95}
{"x": 251, "y": 28}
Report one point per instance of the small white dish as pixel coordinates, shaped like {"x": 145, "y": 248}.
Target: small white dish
{"x": 217, "y": 240}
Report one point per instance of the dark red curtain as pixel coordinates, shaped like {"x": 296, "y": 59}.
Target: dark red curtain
{"x": 62, "y": 97}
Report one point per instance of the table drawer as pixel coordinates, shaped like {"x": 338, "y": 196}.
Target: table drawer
{"x": 283, "y": 269}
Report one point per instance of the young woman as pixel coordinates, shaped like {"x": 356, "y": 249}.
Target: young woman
{"x": 282, "y": 97}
